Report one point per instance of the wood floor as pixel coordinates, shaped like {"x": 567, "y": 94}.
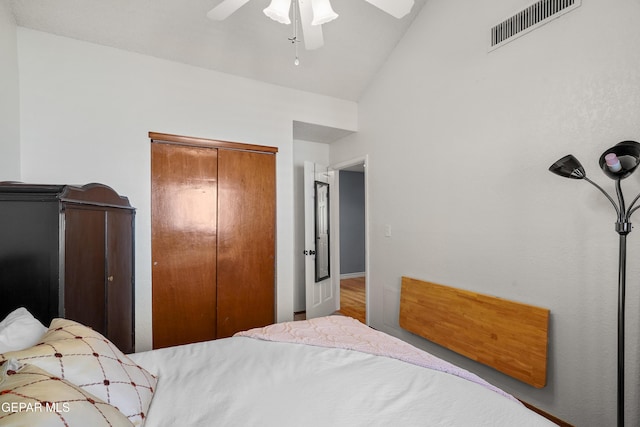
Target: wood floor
{"x": 352, "y": 298}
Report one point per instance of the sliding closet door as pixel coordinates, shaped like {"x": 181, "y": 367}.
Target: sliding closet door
{"x": 183, "y": 223}
{"x": 246, "y": 240}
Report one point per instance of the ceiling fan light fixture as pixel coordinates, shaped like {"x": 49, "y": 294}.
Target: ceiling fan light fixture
{"x": 322, "y": 12}
{"x": 278, "y": 10}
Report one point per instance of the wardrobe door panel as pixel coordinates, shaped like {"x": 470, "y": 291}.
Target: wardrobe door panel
{"x": 84, "y": 290}
{"x": 183, "y": 223}
{"x": 246, "y": 240}
{"x": 119, "y": 278}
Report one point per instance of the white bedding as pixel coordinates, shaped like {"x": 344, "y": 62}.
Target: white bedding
{"x": 243, "y": 381}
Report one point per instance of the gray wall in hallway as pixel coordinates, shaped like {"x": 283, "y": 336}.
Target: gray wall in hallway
{"x": 352, "y": 218}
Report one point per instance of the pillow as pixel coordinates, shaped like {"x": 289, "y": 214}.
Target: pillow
{"x": 85, "y": 358}
{"x": 20, "y": 330}
{"x": 30, "y": 396}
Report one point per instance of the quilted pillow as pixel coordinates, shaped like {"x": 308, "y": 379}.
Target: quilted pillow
{"x": 20, "y": 330}
{"x": 30, "y": 396}
{"x": 85, "y": 358}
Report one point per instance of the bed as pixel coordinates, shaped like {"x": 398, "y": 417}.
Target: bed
{"x": 330, "y": 371}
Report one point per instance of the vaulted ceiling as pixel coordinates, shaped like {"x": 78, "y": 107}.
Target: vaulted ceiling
{"x": 246, "y": 44}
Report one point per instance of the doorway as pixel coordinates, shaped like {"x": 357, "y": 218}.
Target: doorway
{"x": 303, "y": 247}
{"x": 351, "y": 238}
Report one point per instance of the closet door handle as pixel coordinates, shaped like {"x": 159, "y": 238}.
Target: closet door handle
{"x": 110, "y": 278}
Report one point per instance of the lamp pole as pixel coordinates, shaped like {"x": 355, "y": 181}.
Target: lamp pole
{"x": 623, "y": 227}
{"x": 621, "y": 296}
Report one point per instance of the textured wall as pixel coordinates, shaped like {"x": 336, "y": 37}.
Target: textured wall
{"x": 459, "y": 141}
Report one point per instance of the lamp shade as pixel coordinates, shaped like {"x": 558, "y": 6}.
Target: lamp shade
{"x": 568, "y": 167}
{"x": 621, "y": 160}
{"x": 278, "y": 10}
{"x": 322, "y": 12}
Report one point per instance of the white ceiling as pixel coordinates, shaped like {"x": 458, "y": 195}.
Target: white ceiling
{"x": 247, "y": 44}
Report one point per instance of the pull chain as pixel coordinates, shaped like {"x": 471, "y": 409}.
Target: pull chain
{"x": 294, "y": 39}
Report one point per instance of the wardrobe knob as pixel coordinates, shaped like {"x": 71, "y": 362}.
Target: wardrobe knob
{"x": 110, "y": 278}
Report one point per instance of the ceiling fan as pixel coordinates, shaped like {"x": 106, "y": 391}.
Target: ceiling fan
{"x": 313, "y": 13}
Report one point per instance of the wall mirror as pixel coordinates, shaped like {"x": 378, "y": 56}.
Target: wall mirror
{"x": 322, "y": 230}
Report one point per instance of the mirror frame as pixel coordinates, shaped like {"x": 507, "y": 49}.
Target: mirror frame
{"x": 318, "y": 187}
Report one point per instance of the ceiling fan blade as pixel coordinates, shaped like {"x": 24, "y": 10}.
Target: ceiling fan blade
{"x": 224, "y": 9}
{"x": 312, "y": 34}
{"x": 395, "y": 8}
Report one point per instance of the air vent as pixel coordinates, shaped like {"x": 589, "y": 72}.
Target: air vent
{"x": 528, "y": 19}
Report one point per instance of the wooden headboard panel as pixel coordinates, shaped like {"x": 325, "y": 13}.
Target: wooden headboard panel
{"x": 506, "y": 335}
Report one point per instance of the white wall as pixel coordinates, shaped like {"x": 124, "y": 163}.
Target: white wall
{"x": 87, "y": 110}
{"x": 9, "y": 98}
{"x": 459, "y": 142}
{"x": 303, "y": 151}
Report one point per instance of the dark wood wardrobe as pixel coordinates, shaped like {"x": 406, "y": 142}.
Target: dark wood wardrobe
{"x": 213, "y": 238}
{"x": 67, "y": 251}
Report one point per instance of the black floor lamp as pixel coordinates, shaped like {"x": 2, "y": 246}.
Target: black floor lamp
{"x": 618, "y": 162}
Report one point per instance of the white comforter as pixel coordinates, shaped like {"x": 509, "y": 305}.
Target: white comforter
{"x": 243, "y": 381}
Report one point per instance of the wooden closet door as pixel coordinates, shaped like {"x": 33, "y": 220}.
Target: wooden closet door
{"x": 183, "y": 224}
{"x": 246, "y": 240}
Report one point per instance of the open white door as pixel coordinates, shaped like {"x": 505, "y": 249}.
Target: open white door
{"x": 321, "y": 295}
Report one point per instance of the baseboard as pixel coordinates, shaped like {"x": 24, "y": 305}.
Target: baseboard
{"x": 352, "y": 275}
{"x": 547, "y": 415}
